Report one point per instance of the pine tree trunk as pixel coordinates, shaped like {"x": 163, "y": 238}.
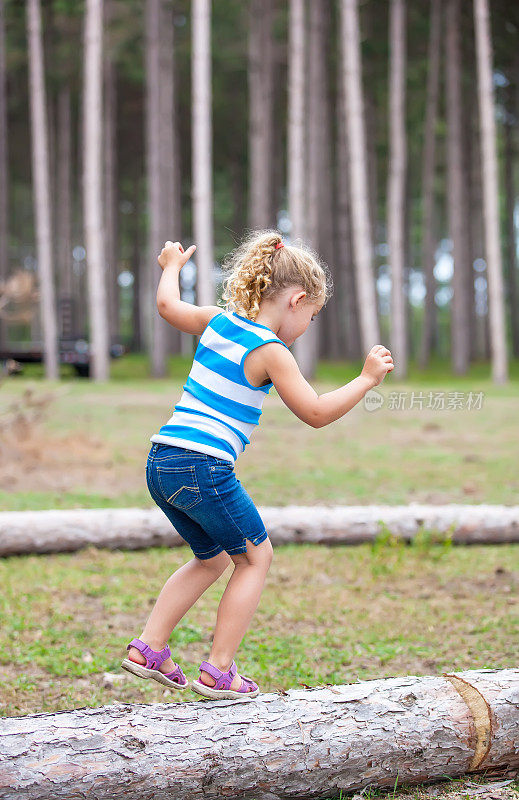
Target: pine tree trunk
{"x": 396, "y": 195}
{"x": 470, "y": 104}
{"x": 345, "y": 281}
{"x": 64, "y": 194}
{"x": 261, "y": 105}
{"x": 93, "y": 191}
{"x": 496, "y": 306}
{"x": 41, "y": 191}
{"x": 429, "y": 164}
{"x": 4, "y": 169}
{"x": 157, "y": 330}
{"x": 368, "y": 19}
{"x": 279, "y": 146}
{"x": 306, "y": 346}
{"x": 171, "y": 223}
{"x": 137, "y": 342}
{"x": 480, "y": 347}
{"x": 296, "y": 743}
{"x": 296, "y": 157}
{"x": 362, "y": 246}
{"x": 202, "y": 151}
{"x": 111, "y": 199}
{"x": 327, "y": 326}
{"x": 456, "y": 192}
{"x": 510, "y": 151}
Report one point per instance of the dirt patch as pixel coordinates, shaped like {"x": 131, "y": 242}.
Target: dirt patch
{"x": 38, "y": 462}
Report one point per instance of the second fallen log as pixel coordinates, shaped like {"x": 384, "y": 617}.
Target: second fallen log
{"x": 303, "y": 743}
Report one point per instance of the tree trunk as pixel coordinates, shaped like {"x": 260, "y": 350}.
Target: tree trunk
{"x": 365, "y": 283}
{"x": 470, "y": 101}
{"x": 296, "y": 743}
{"x": 296, "y": 157}
{"x": 170, "y": 223}
{"x": 306, "y": 346}
{"x": 261, "y": 104}
{"x": 135, "y": 528}
{"x": 456, "y": 192}
{"x": 4, "y": 162}
{"x": 137, "y": 342}
{"x": 157, "y": 329}
{"x": 4, "y": 169}
{"x": 480, "y": 348}
{"x": 93, "y": 191}
{"x": 510, "y": 194}
{"x": 496, "y": 306}
{"x": 429, "y": 164}
{"x": 41, "y": 179}
{"x": 279, "y": 145}
{"x": 111, "y": 199}
{"x": 64, "y": 194}
{"x": 202, "y": 151}
{"x": 396, "y": 194}
{"x": 326, "y": 327}
{"x": 349, "y": 338}
{"x": 368, "y": 21}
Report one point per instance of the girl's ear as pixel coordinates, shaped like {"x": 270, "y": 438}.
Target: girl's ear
{"x": 298, "y": 298}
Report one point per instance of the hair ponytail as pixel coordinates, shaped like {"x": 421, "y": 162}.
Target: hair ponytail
{"x": 258, "y": 268}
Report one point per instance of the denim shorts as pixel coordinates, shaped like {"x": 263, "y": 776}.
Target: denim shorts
{"x": 204, "y": 500}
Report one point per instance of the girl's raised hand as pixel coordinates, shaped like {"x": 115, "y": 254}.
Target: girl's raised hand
{"x": 173, "y": 253}
{"x": 379, "y": 362}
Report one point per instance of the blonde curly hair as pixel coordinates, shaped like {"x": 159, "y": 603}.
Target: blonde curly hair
{"x": 256, "y": 270}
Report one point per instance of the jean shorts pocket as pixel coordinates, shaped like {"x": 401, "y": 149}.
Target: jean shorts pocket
{"x": 179, "y": 486}
{"x": 222, "y": 466}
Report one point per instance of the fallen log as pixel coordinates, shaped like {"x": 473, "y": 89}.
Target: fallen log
{"x": 136, "y": 528}
{"x": 300, "y": 743}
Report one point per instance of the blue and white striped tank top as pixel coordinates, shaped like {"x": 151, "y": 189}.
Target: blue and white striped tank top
{"x": 219, "y": 408}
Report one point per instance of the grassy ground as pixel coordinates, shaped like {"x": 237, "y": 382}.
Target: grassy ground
{"x": 89, "y": 450}
{"x": 327, "y": 615}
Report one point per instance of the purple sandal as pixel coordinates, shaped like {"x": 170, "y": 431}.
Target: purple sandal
{"x": 223, "y": 680}
{"x": 154, "y": 658}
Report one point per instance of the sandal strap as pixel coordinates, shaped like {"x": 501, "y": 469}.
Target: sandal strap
{"x": 154, "y": 658}
{"x": 176, "y": 675}
{"x": 247, "y": 685}
{"x": 223, "y": 679}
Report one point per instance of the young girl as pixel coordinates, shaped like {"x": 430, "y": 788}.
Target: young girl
{"x": 273, "y": 291}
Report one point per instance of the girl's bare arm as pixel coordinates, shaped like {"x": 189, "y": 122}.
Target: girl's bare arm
{"x": 184, "y": 316}
{"x": 302, "y": 399}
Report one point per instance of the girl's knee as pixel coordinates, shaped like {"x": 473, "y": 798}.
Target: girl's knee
{"x": 216, "y": 564}
{"x": 256, "y": 555}
{"x": 269, "y": 550}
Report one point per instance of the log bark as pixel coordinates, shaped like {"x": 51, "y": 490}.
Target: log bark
{"x": 300, "y": 743}
{"x": 137, "y": 528}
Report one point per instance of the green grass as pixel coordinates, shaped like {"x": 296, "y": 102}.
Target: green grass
{"x": 90, "y": 448}
{"x": 327, "y": 615}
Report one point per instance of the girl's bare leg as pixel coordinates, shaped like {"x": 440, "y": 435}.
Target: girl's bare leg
{"x": 237, "y": 606}
{"x": 180, "y": 592}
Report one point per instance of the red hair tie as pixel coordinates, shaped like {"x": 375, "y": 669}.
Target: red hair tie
{"x": 279, "y": 244}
